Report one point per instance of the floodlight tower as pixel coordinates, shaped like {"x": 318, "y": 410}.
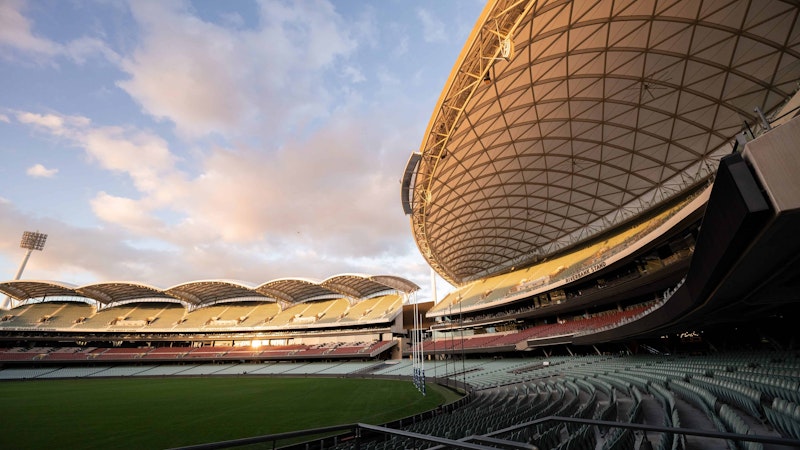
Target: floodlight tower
{"x": 31, "y": 240}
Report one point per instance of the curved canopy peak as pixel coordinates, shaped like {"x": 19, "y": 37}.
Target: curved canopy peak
{"x": 604, "y": 111}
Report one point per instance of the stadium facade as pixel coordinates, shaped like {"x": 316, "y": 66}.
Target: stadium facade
{"x": 349, "y": 315}
{"x": 598, "y": 177}
{"x": 596, "y": 171}
{"x": 593, "y": 172}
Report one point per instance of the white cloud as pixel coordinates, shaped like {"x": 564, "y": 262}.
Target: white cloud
{"x": 354, "y": 74}
{"x": 40, "y": 171}
{"x": 294, "y": 181}
{"x": 128, "y": 213}
{"x": 217, "y": 79}
{"x": 233, "y": 19}
{"x": 402, "y": 47}
{"x": 114, "y": 255}
{"x": 17, "y": 39}
{"x": 366, "y": 28}
{"x": 56, "y": 124}
{"x": 67, "y": 252}
{"x": 334, "y": 192}
{"x": 142, "y": 155}
{"x": 51, "y": 122}
{"x": 432, "y": 28}
{"x": 4, "y": 118}
{"x": 84, "y": 48}
{"x": 16, "y": 33}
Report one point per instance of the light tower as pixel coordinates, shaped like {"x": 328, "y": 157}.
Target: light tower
{"x": 31, "y": 240}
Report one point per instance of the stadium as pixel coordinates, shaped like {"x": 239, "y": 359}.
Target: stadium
{"x": 611, "y": 188}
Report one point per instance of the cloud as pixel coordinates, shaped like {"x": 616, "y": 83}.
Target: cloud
{"x": 342, "y": 202}
{"x": 40, "y": 171}
{"x": 402, "y": 47}
{"x": 366, "y": 28}
{"x": 354, "y": 74}
{"x": 279, "y": 164}
{"x": 78, "y": 255}
{"x": 115, "y": 255}
{"x": 4, "y": 118}
{"x": 16, "y": 33}
{"x": 50, "y": 122}
{"x": 82, "y": 49}
{"x": 126, "y": 212}
{"x": 56, "y": 124}
{"x": 433, "y": 29}
{"x": 332, "y": 194}
{"x": 142, "y": 155}
{"x": 17, "y": 39}
{"x": 213, "y": 78}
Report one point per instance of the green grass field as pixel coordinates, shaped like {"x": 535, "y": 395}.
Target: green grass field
{"x": 169, "y": 412}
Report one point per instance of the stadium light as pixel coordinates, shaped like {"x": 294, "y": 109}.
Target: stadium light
{"x": 31, "y": 240}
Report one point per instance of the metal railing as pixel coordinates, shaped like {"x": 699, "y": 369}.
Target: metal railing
{"x": 355, "y": 433}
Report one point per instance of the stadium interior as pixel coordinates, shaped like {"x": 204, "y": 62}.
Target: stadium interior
{"x": 611, "y": 187}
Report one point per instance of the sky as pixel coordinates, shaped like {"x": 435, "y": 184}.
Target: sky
{"x": 166, "y": 141}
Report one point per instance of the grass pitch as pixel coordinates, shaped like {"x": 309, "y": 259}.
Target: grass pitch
{"x": 170, "y": 412}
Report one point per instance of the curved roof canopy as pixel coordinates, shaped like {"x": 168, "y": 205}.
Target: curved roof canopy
{"x": 358, "y": 286}
{"x": 25, "y": 289}
{"x": 211, "y": 291}
{"x": 112, "y": 292}
{"x": 294, "y": 289}
{"x": 562, "y": 119}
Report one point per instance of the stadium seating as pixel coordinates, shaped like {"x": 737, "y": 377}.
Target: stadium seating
{"x": 145, "y": 314}
{"x": 73, "y": 372}
{"x": 517, "y": 390}
{"x": 201, "y": 316}
{"x": 118, "y": 353}
{"x": 333, "y": 312}
{"x": 575, "y": 325}
{"x": 105, "y": 318}
{"x": 25, "y": 373}
{"x": 67, "y": 316}
{"x": 19, "y": 354}
{"x": 376, "y": 308}
{"x": 358, "y": 350}
{"x": 43, "y": 314}
{"x": 549, "y": 272}
{"x": 785, "y": 416}
{"x": 610, "y": 377}
{"x": 165, "y": 353}
{"x": 262, "y": 313}
{"x": 244, "y": 316}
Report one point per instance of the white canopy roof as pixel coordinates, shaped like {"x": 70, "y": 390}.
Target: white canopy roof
{"x": 291, "y": 290}
{"x": 563, "y": 119}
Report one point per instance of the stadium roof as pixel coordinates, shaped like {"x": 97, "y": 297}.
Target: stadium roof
{"x": 24, "y": 289}
{"x": 121, "y": 291}
{"x": 563, "y": 119}
{"x": 292, "y": 290}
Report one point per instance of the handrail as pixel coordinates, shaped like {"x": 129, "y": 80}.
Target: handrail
{"x": 355, "y": 429}
{"x": 464, "y": 442}
{"x": 269, "y": 438}
{"x": 764, "y": 439}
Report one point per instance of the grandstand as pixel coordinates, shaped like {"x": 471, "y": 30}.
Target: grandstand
{"x": 750, "y": 394}
{"x": 346, "y": 316}
{"x": 534, "y": 194}
{"x": 611, "y": 189}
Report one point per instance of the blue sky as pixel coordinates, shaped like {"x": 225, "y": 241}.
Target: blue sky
{"x": 166, "y": 142}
